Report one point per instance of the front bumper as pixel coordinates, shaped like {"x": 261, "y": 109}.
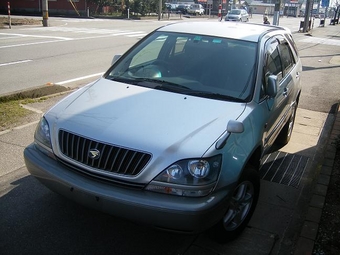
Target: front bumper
{"x": 168, "y": 212}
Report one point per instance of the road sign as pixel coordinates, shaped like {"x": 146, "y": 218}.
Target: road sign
{"x": 325, "y": 3}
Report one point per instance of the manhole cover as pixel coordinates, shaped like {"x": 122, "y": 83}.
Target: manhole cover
{"x": 283, "y": 168}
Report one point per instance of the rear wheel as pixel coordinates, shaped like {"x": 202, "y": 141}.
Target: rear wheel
{"x": 287, "y": 130}
{"x": 240, "y": 209}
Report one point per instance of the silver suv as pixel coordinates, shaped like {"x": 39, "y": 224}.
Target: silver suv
{"x": 173, "y": 133}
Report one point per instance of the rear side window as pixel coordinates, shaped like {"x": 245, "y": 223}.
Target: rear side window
{"x": 286, "y": 58}
{"x": 289, "y": 37}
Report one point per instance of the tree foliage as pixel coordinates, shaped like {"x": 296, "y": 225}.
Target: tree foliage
{"x": 142, "y": 7}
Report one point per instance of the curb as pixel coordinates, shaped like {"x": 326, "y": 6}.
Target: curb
{"x": 310, "y": 226}
{"x": 34, "y": 92}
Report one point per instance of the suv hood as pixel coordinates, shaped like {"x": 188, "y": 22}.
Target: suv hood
{"x": 143, "y": 119}
{"x": 233, "y": 16}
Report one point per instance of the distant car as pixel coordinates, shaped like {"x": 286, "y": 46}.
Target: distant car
{"x": 237, "y": 15}
{"x": 196, "y": 9}
{"x": 171, "y": 7}
{"x": 182, "y": 8}
{"x": 173, "y": 134}
{"x": 315, "y": 13}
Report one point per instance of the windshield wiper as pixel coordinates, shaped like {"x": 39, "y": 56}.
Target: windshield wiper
{"x": 162, "y": 84}
{"x": 151, "y": 83}
{"x": 122, "y": 79}
{"x": 216, "y": 96}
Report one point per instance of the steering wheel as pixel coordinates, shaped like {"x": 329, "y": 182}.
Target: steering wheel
{"x": 150, "y": 71}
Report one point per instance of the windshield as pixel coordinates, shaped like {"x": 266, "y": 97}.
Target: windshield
{"x": 197, "y": 65}
{"x": 237, "y": 12}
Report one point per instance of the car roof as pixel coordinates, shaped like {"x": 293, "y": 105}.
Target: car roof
{"x": 235, "y": 30}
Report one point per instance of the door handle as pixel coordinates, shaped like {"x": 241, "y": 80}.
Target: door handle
{"x": 285, "y": 92}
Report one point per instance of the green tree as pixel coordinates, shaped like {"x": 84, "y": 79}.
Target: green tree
{"x": 101, "y": 3}
{"x": 144, "y": 7}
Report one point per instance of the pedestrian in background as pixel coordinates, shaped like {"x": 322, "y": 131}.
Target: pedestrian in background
{"x": 265, "y": 20}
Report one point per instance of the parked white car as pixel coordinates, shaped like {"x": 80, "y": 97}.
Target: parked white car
{"x": 196, "y": 9}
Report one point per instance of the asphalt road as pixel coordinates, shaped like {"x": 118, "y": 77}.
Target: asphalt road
{"x": 66, "y": 50}
{"x": 34, "y": 220}
{"x": 73, "y": 52}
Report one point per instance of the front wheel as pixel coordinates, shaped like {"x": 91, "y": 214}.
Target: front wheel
{"x": 240, "y": 208}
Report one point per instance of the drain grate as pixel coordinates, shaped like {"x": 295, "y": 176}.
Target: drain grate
{"x": 283, "y": 168}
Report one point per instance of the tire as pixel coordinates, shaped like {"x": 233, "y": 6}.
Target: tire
{"x": 286, "y": 132}
{"x": 240, "y": 209}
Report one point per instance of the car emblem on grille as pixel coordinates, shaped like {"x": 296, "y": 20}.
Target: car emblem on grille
{"x": 94, "y": 154}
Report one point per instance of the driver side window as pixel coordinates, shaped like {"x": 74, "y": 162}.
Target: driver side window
{"x": 149, "y": 53}
{"x": 272, "y": 63}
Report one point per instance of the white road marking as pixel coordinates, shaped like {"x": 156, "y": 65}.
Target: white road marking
{"x": 136, "y": 35}
{"x": 79, "y": 78}
{"x": 38, "y": 36}
{"x": 28, "y": 44}
{"x": 318, "y": 40}
{"x": 109, "y": 32}
{"x": 101, "y": 32}
{"x": 16, "y": 62}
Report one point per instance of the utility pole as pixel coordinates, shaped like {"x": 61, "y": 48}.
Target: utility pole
{"x": 276, "y": 12}
{"x": 160, "y": 9}
{"x": 9, "y": 15}
{"x": 309, "y": 5}
{"x": 45, "y": 12}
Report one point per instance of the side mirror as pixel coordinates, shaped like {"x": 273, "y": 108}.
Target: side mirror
{"x": 233, "y": 126}
{"x": 115, "y": 58}
{"x": 272, "y": 86}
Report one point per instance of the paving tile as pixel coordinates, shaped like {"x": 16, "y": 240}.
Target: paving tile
{"x": 309, "y": 230}
{"x": 314, "y": 214}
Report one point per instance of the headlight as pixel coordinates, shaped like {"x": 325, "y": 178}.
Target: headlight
{"x": 42, "y": 137}
{"x": 190, "y": 177}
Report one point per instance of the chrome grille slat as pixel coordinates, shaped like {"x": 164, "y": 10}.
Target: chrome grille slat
{"x": 72, "y": 147}
{"x": 107, "y": 157}
{"x": 121, "y": 163}
{"x": 130, "y": 162}
{"x": 77, "y": 154}
{"x": 139, "y": 161}
{"x": 67, "y": 138}
{"x": 113, "y": 159}
{"x": 100, "y": 159}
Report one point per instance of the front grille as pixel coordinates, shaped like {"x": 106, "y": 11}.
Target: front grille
{"x": 112, "y": 159}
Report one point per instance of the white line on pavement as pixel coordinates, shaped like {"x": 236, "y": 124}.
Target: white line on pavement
{"x": 17, "y": 62}
{"x": 27, "y": 44}
{"x": 79, "y": 78}
{"x": 38, "y": 36}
